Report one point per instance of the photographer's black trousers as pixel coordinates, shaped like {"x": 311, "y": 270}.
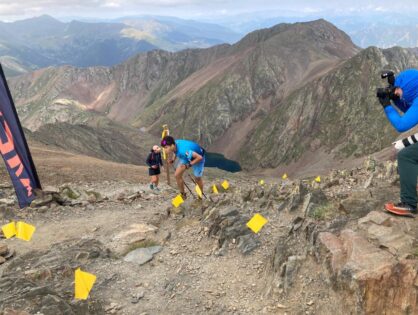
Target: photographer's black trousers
{"x": 408, "y": 172}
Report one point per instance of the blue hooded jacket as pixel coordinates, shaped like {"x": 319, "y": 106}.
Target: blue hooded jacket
{"x": 408, "y": 81}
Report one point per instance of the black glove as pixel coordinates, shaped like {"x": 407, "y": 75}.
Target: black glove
{"x": 384, "y": 101}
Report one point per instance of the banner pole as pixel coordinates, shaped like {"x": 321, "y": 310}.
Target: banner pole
{"x": 166, "y": 132}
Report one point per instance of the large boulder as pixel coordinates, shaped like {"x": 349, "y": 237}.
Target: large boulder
{"x": 376, "y": 282}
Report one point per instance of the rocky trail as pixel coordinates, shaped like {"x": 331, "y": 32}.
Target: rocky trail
{"x": 328, "y": 248}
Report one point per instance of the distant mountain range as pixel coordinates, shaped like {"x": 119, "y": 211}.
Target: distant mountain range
{"x": 217, "y": 96}
{"x": 293, "y": 94}
{"x": 381, "y": 29}
{"x": 44, "y": 41}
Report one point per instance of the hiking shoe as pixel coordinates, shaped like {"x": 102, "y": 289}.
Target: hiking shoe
{"x": 151, "y": 186}
{"x": 402, "y": 209}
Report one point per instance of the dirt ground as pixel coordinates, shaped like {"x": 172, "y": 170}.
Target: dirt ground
{"x": 285, "y": 272}
{"x": 186, "y": 277}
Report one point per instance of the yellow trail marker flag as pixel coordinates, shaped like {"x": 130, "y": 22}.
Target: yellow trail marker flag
{"x": 163, "y": 135}
{"x": 177, "y": 201}
{"x": 318, "y": 179}
{"x": 9, "y": 230}
{"x": 215, "y": 189}
{"x": 225, "y": 185}
{"x": 198, "y": 191}
{"x": 257, "y": 222}
{"x": 284, "y": 176}
{"x": 261, "y": 182}
{"x": 24, "y": 231}
{"x": 84, "y": 281}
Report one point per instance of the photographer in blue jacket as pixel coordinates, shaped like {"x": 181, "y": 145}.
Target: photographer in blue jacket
{"x": 403, "y": 92}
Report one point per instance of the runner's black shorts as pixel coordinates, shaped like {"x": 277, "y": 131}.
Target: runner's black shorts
{"x": 154, "y": 171}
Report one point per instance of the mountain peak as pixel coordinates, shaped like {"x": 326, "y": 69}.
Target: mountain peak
{"x": 302, "y": 33}
{"x": 41, "y": 19}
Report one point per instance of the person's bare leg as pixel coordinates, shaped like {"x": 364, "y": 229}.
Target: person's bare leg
{"x": 179, "y": 177}
{"x": 157, "y": 180}
{"x": 153, "y": 179}
{"x": 199, "y": 182}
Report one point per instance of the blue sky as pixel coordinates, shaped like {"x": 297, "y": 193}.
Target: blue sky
{"x": 19, "y": 9}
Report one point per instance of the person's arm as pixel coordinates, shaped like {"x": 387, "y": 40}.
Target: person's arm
{"x": 401, "y": 104}
{"x": 196, "y": 158}
{"x": 406, "y": 121}
{"x": 170, "y": 158}
{"x": 148, "y": 161}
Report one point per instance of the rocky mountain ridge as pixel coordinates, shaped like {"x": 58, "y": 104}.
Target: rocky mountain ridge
{"x": 280, "y": 96}
{"x": 222, "y": 89}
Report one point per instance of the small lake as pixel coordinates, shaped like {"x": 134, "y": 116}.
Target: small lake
{"x": 221, "y": 162}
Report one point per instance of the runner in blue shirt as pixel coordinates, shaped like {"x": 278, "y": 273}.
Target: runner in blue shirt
{"x": 190, "y": 154}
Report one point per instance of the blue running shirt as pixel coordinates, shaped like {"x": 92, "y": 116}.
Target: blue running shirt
{"x": 185, "y": 149}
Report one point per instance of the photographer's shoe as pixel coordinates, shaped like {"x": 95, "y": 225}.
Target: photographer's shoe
{"x": 402, "y": 209}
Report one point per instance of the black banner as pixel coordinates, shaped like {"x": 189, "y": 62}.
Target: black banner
{"x": 14, "y": 148}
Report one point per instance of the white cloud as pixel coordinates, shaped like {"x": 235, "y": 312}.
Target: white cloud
{"x": 111, "y": 4}
{"x": 113, "y": 8}
{"x": 310, "y": 10}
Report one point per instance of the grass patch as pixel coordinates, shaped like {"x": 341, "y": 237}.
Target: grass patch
{"x": 70, "y": 193}
{"x": 96, "y": 194}
{"x": 323, "y": 212}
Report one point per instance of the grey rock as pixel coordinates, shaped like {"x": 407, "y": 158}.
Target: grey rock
{"x": 290, "y": 270}
{"x": 138, "y": 296}
{"x": 312, "y": 200}
{"x": 3, "y": 249}
{"x": 41, "y": 201}
{"x": 10, "y": 254}
{"x": 43, "y": 209}
{"x": 296, "y": 224}
{"x": 51, "y": 189}
{"x": 7, "y": 202}
{"x": 70, "y": 193}
{"x": 361, "y": 202}
{"x": 41, "y": 281}
{"x": 6, "y": 213}
{"x": 247, "y": 243}
{"x": 134, "y": 196}
{"x": 141, "y": 256}
{"x": 297, "y": 196}
{"x": 228, "y": 212}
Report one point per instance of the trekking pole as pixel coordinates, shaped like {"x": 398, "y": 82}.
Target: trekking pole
{"x": 194, "y": 181}
{"x": 188, "y": 188}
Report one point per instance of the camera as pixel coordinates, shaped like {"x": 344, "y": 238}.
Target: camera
{"x": 388, "y": 91}
{"x": 389, "y": 75}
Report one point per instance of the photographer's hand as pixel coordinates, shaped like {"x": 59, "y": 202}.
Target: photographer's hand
{"x": 385, "y": 101}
